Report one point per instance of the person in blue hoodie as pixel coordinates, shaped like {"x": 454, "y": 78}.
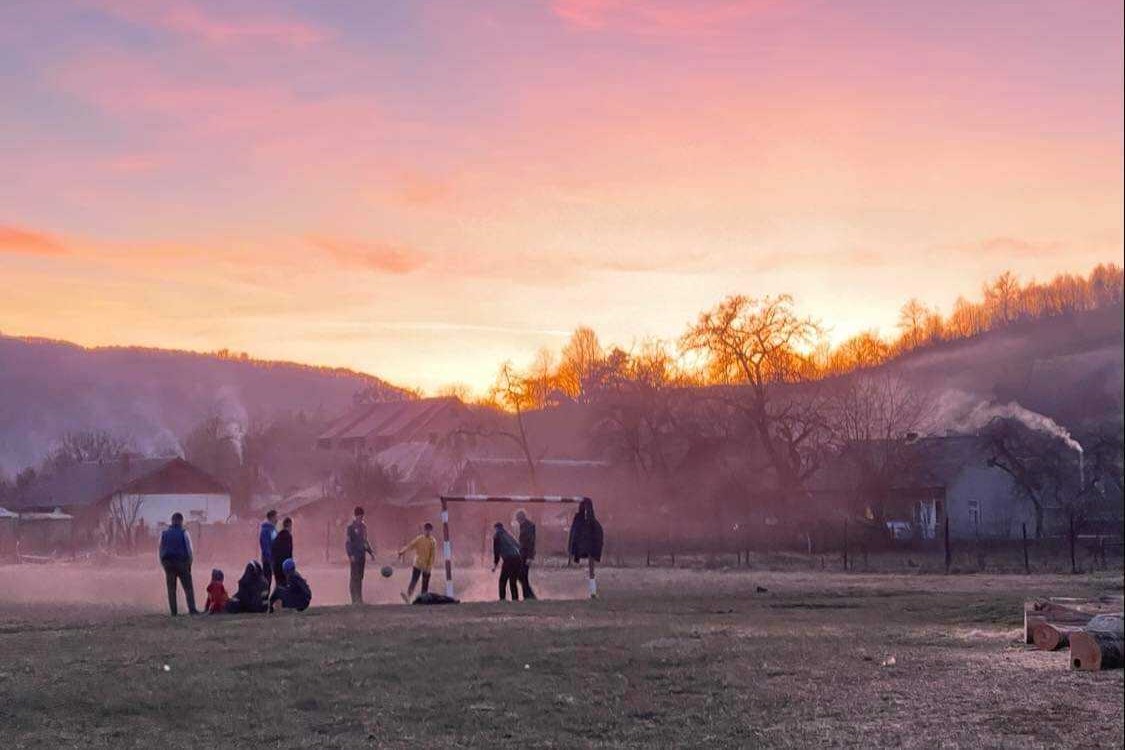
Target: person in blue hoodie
{"x": 266, "y": 534}
{"x": 175, "y": 557}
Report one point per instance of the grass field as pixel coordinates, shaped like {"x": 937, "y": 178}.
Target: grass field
{"x": 667, "y": 658}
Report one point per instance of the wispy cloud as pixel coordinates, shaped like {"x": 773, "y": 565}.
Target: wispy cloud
{"x": 221, "y": 26}
{"x": 655, "y": 16}
{"x": 381, "y": 257}
{"x": 27, "y": 241}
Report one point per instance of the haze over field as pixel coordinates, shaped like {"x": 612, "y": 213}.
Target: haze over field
{"x": 423, "y": 190}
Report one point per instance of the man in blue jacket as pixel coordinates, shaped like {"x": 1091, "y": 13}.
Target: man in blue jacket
{"x": 266, "y": 534}
{"x": 175, "y": 557}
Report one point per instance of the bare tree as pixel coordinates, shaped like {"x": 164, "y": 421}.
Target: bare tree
{"x": 581, "y": 359}
{"x": 757, "y": 347}
{"x": 1048, "y": 472}
{"x": 511, "y": 394}
{"x": 124, "y": 518}
{"x": 912, "y": 322}
{"x": 874, "y": 419}
{"x": 1001, "y": 296}
{"x": 87, "y": 445}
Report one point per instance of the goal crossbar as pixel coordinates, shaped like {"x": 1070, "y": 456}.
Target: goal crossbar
{"x": 447, "y": 542}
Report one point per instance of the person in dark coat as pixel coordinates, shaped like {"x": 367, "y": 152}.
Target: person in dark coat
{"x": 295, "y": 592}
{"x": 505, "y": 548}
{"x": 253, "y": 591}
{"x": 175, "y": 557}
{"x": 281, "y": 550}
{"x": 357, "y": 547}
{"x": 586, "y": 539}
{"x": 527, "y": 551}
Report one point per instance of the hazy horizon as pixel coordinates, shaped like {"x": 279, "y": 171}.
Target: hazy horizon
{"x": 422, "y": 191}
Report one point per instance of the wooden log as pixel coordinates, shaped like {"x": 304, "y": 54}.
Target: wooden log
{"x": 1101, "y": 645}
{"x": 1049, "y": 637}
{"x": 1068, "y": 612}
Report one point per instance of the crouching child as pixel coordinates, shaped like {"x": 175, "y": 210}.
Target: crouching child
{"x": 295, "y": 592}
{"x": 217, "y": 597}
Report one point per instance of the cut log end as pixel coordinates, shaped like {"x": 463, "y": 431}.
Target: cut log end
{"x": 1084, "y": 653}
{"x": 1049, "y": 638}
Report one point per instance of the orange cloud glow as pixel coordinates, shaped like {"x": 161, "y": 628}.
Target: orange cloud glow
{"x": 17, "y": 240}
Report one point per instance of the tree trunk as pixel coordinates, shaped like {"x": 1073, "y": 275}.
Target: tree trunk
{"x": 1100, "y": 646}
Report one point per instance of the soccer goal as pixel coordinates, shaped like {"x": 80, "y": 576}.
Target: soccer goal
{"x": 447, "y": 542}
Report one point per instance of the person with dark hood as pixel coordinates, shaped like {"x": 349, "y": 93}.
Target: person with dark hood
{"x": 282, "y": 550}
{"x": 175, "y": 557}
{"x": 527, "y": 551}
{"x": 357, "y": 547}
{"x": 267, "y": 532}
{"x": 586, "y": 539}
{"x": 505, "y": 548}
{"x": 295, "y": 592}
{"x": 253, "y": 591}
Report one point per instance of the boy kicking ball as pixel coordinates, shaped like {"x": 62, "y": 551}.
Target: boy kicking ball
{"x": 425, "y": 550}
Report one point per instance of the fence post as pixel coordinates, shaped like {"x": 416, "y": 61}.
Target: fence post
{"x": 1073, "y": 558}
{"x": 1026, "y": 561}
{"x": 845, "y": 544}
{"x": 948, "y": 550}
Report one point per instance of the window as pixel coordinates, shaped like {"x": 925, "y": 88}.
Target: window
{"x": 974, "y": 512}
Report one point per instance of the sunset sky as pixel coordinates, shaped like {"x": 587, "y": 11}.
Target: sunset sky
{"x": 423, "y": 189}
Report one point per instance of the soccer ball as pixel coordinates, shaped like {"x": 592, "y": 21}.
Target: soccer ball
{"x": 387, "y": 571}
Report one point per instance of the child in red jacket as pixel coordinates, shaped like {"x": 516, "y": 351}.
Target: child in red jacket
{"x": 216, "y": 594}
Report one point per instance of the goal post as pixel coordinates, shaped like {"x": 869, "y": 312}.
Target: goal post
{"x": 447, "y": 542}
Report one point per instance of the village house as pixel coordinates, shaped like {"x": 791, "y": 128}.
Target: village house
{"x": 125, "y": 498}
{"x": 912, "y": 485}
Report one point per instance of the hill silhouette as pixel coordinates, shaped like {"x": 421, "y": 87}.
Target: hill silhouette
{"x": 153, "y": 396}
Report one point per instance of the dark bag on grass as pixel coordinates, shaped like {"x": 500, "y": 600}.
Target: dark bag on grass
{"x": 431, "y": 598}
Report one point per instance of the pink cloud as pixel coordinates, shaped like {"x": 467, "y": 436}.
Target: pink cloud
{"x": 655, "y": 16}
{"x": 381, "y": 257}
{"x": 27, "y": 241}
{"x": 217, "y": 27}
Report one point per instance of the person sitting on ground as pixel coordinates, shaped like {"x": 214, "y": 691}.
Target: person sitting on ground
{"x": 295, "y": 592}
{"x": 425, "y": 550}
{"x": 253, "y": 591}
{"x": 506, "y": 548}
{"x": 217, "y": 596}
{"x": 281, "y": 550}
{"x": 175, "y": 556}
{"x": 586, "y": 539}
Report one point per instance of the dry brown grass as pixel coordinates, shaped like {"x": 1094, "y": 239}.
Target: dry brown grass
{"x": 665, "y": 659}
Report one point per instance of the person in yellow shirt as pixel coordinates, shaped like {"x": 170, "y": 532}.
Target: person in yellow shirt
{"x": 425, "y": 551}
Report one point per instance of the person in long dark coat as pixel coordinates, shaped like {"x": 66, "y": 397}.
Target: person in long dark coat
{"x": 253, "y": 591}
{"x": 282, "y": 550}
{"x": 527, "y": 551}
{"x": 586, "y": 539}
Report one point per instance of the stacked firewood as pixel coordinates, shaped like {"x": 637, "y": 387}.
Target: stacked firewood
{"x": 1093, "y": 629}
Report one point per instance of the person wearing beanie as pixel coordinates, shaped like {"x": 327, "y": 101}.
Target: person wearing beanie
{"x": 295, "y": 592}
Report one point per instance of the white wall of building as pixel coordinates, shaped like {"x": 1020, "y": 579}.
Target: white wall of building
{"x": 208, "y": 508}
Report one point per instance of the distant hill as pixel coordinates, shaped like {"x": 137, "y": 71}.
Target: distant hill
{"x": 1068, "y": 367}
{"x": 153, "y": 395}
